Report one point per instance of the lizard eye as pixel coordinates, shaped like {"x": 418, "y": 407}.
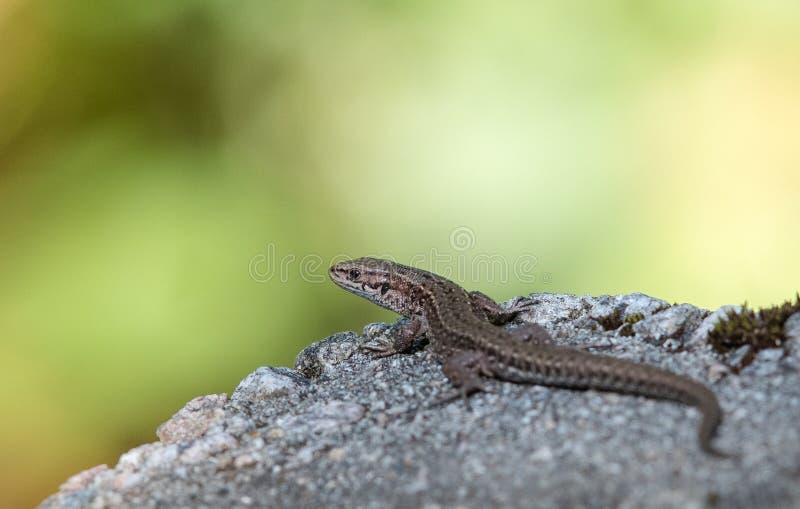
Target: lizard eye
{"x": 384, "y": 288}
{"x": 353, "y": 274}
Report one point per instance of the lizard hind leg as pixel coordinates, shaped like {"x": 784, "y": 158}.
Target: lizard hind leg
{"x": 464, "y": 370}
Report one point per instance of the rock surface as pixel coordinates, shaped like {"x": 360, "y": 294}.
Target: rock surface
{"x": 343, "y": 429}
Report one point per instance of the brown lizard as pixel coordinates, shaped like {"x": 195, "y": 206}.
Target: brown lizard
{"x": 461, "y": 328}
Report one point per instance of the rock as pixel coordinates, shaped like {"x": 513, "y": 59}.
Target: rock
{"x": 674, "y": 322}
{"x": 83, "y": 479}
{"x": 612, "y": 312}
{"x": 766, "y": 362}
{"x": 606, "y": 311}
{"x": 641, "y": 304}
{"x": 268, "y": 382}
{"x": 717, "y": 371}
{"x": 330, "y": 416}
{"x": 313, "y": 360}
{"x": 740, "y": 357}
{"x": 791, "y": 328}
{"x": 700, "y": 335}
{"x": 377, "y": 329}
{"x": 147, "y": 455}
{"x": 348, "y": 430}
{"x": 550, "y": 307}
{"x": 193, "y": 419}
{"x": 201, "y": 450}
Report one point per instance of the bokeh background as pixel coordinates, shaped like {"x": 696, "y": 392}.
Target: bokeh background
{"x": 153, "y": 153}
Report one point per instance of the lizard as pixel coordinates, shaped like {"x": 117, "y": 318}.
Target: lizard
{"x": 463, "y": 330}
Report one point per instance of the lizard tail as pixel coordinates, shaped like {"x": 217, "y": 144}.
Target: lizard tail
{"x": 704, "y": 400}
{"x": 618, "y": 375}
{"x": 658, "y": 383}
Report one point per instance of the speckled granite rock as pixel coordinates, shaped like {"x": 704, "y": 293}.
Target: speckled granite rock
{"x": 345, "y": 430}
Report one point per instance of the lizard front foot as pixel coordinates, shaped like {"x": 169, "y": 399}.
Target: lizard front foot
{"x": 383, "y": 348}
{"x": 402, "y": 341}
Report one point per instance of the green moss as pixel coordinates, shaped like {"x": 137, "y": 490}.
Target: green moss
{"x": 633, "y": 318}
{"x": 627, "y": 326}
{"x": 759, "y": 328}
{"x": 612, "y": 321}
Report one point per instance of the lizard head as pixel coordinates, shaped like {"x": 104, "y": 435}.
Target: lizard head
{"x": 372, "y": 279}
{"x": 363, "y": 276}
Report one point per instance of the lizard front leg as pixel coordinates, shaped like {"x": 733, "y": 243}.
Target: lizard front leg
{"x": 402, "y": 341}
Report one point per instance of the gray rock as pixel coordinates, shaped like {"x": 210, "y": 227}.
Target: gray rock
{"x": 376, "y": 330}
{"x": 268, "y": 382}
{"x": 83, "y": 479}
{"x": 605, "y": 311}
{"x": 641, "y": 304}
{"x": 791, "y": 328}
{"x": 330, "y": 416}
{"x": 767, "y": 362}
{"x": 675, "y": 322}
{"x": 614, "y": 311}
{"x": 327, "y": 354}
{"x": 739, "y": 357}
{"x": 717, "y": 371}
{"x": 193, "y": 419}
{"x": 350, "y": 430}
{"x": 700, "y": 335}
{"x": 551, "y": 307}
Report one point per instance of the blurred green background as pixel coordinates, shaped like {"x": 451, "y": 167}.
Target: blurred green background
{"x": 153, "y": 153}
